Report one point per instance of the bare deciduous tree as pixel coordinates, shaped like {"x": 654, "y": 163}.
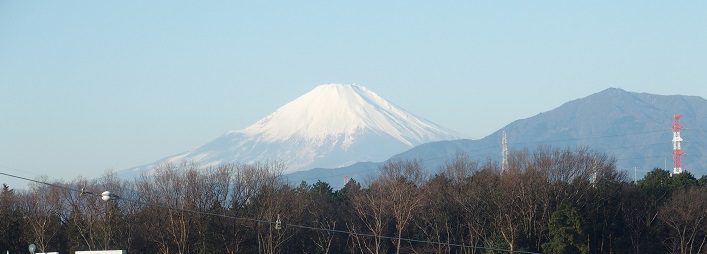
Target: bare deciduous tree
{"x": 685, "y": 213}
{"x": 42, "y": 205}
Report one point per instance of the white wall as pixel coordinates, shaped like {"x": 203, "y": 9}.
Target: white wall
{"x": 103, "y": 252}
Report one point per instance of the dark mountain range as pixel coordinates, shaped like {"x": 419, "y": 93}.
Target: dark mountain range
{"x": 635, "y": 128}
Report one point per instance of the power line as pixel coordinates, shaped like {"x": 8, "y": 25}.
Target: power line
{"x": 524, "y": 143}
{"x": 369, "y": 170}
{"x": 410, "y": 240}
{"x": 40, "y": 182}
{"x": 587, "y": 138}
{"x": 18, "y": 170}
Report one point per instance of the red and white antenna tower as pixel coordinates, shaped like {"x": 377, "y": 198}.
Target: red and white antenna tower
{"x": 677, "y": 151}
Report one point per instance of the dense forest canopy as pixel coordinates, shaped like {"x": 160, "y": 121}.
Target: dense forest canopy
{"x": 549, "y": 200}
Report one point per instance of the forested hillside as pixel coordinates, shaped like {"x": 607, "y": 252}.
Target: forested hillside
{"x": 548, "y": 200}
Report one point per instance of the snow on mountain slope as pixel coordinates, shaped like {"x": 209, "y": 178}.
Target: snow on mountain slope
{"x": 333, "y": 125}
{"x": 330, "y": 110}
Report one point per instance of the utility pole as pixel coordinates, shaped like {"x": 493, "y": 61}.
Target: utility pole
{"x": 504, "y": 153}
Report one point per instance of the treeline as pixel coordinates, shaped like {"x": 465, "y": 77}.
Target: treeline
{"x": 549, "y": 200}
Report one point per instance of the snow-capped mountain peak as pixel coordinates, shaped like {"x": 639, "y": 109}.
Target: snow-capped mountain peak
{"x": 331, "y": 126}
{"x": 335, "y": 109}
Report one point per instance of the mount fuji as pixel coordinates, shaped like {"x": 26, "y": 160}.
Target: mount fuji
{"x": 332, "y": 126}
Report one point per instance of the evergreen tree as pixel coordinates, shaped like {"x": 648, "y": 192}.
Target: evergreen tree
{"x": 565, "y": 232}
{"x": 10, "y": 221}
{"x": 656, "y": 182}
{"x": 322, "y": 188}
{"x": 682, "y": 181}
{"x": 702, "y": 181}
{"x": 73, "y": 230}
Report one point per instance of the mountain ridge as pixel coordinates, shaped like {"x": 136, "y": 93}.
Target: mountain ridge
{"x": 333, "y": 125}
{"x": 633, "y": 127}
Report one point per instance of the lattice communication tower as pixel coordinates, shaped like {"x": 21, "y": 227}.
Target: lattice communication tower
{"x": 677, "y": 140}
{"x": 504, "y": 153}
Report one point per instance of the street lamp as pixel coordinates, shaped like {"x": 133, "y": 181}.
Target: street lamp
{"x": 106, "y": 195}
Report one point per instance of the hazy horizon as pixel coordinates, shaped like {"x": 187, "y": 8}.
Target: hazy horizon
{"x": 90, "y": 86}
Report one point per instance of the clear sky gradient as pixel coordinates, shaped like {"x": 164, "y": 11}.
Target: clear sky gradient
{"x": 87, "y": 86}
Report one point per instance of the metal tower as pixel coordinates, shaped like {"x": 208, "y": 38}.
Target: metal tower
{"x": 677, "y": 151}
{"x": 504, "y": 153}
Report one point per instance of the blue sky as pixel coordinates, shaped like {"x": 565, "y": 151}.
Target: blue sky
{"x": 87, "y": 86}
